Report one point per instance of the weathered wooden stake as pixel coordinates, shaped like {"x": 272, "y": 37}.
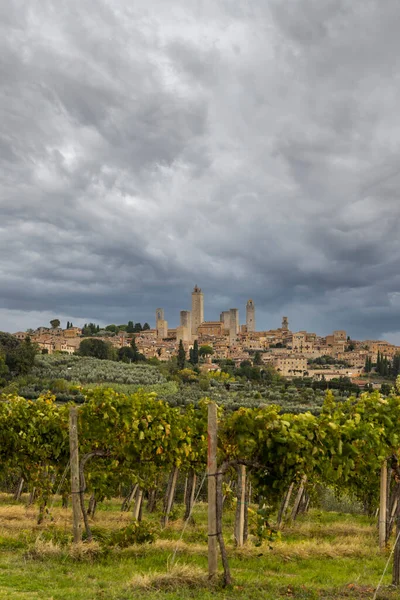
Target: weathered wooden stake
{"x": 18, "y": 491}
{"x": 284, "y": 505}
{"x": 396, "y": 556}
{"x": 241, "y": 499}
{"x": 75, "y": 484}
{"x": 383, "y": 506}
{"x": 299, "y": 497}
{"x": 185, "y": 490}
{"x": 212, "y": 489}
{"x": 138, "y": 504}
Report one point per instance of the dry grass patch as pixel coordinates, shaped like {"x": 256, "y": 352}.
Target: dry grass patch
{"x": 338, "y": 528}
{"x": 85, "y": 550}
{"x": 171, "y": 546}
{"x": 44, "y": 549}
{"x": 175, "y": 578}
{"x": 315, "y": 548}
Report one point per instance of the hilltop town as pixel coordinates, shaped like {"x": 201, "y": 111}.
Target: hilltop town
{"x": 292, "y": 354}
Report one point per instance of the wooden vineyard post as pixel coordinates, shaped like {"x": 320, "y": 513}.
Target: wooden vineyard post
{"x": 170, "y": 495}
{"x": 241, "y": 499}
{"x": 299, "y": 497}
{"x": 396, "y": 555}
{"x": 212, "y": 491}
{"x": 284, "y": 505}
{"x": 18, "y": 491}
{"x": 138, "y": 504}
{"x": 75, "y": 483}
{"x": 383, "y": 506}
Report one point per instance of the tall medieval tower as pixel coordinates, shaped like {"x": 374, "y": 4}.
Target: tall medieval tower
{"x": 197, "y": 309}
{"x": 250, "y": 316}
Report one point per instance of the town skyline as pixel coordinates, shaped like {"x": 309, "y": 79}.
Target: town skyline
{"x": 173, "y": 319}
{"x": 291, "y": 353}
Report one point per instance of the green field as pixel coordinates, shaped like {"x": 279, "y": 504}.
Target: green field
{"x": 324, "y": 555}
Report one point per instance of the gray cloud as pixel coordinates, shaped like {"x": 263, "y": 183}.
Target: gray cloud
{"x": 251, "y": 148}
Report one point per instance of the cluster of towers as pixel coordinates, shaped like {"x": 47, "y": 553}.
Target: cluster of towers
{"x": 190, "y": 321}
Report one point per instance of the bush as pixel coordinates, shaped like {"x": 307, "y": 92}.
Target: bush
{"x": 135, "y": 533}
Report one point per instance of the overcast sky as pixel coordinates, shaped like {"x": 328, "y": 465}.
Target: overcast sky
{"x": 251, "y": 147}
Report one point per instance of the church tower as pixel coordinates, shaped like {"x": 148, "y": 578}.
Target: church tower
{"x": 197, "y": 309}
{"x": 250, "y": 316}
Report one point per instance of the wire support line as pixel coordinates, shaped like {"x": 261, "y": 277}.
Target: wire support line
{"x": 187, "y": 520}
{"x": 386, "y": 566}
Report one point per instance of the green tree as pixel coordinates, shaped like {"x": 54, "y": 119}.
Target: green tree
{"x": 206, "y": 350}
{"x": 379, "y": 363}
{"x": 137, "y": 328}
{"x": 127, "y": 354}
{"x": 112, "y": 328}
{"x": 55, "y": 323}
{"x": 188, "y": 376}
{"x": 194, "y": 354}
{"x": 67, "y": 324}
{"x": 4, "y": 370}
{"x": 21, "y": 359}
{"x": 257, "y": 360}
{"x": 181, "y": 356}
{"x": 130, "y": 328}
{"x": 385, "y": 389}
{"x": 96, "y": 348}
{"x": 137, "y": 356}
{"x": 396, "y": 365}
{"x": 90, "y": 329}
{"x": 146, "y": 327}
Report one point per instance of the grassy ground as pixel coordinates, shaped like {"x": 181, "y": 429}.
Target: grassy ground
{"x": 323, "y": 556}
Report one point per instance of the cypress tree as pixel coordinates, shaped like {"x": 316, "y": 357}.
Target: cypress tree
{"x": 181, "y": 356}
{"x": 396, "y": 365}
{"x": 195, "y": 353}
{"x": 135, "y": 352}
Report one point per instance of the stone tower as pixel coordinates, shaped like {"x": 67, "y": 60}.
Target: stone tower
{"x": 186, "y": 325}
{"x": 224, "y": 318}
{"x": 250, "y": 316}
{"x": 233, "y": 323}
{"x": 161, "y": 324}
{"x": 159, "y": 316}
{"x": 197, "y": 309}
{"x": 285, "y": 324}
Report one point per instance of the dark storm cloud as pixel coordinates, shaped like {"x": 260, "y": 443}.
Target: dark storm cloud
{"x": 252, "y": 148}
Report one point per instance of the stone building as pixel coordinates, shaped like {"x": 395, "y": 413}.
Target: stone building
{"x": 159, "y": 316}
{"x": 250, "y": 316}
{"x": 162, "y": 329}
{"x": 285, "y": 323}
{"x": 197, "y": 309}
{"x": 210, "y": 329}
{"x": 186, "y": 319}
{"x": 291, "y": 365}
{"x": 224, "y": 318}
{"x": 233, "y": 323}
